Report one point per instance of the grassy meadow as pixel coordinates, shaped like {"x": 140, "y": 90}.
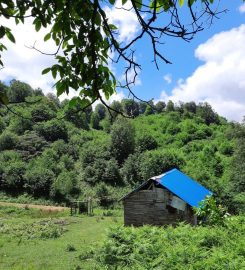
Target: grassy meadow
{"x": 37, "y": 239}
{"x": 33, "y": 239}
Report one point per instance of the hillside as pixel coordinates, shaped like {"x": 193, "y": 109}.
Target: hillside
{"x": 54, "y": 152}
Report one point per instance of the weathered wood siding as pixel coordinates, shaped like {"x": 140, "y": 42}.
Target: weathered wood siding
{"x": 150, "y": 207}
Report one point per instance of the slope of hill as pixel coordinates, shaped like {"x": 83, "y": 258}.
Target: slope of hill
{"x": 52, "y": 151}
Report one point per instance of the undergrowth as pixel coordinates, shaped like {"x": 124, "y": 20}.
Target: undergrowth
{"x": 44, "y": 229}
{"x": 181, "y": 248}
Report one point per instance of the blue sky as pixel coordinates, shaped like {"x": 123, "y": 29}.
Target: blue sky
{"x": 210, "y": 68}
{"x": 181, "y": 54}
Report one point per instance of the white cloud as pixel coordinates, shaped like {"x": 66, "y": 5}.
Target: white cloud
{"x": 27, "y": 64}
{"x": 168, "y": 78}
{"x": 220, "y": 81}
{"x": 125, "y": 20}
{"x": 242, "y": 8}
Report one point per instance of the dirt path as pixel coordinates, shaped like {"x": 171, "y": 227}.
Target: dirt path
{"x": 36, "y": 206}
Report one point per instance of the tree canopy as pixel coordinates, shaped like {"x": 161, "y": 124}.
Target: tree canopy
{"x": 85, "y": 38}
{"x": 63, "y": 159}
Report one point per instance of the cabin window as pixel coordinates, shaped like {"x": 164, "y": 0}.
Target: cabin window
{"x": 171, "y": 209}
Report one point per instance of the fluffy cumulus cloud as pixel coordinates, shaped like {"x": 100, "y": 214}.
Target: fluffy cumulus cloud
{"x": 125, "y": 20}
{"x": 220, "y": 80}
{"x": 242, "y": 8}
{"x": 23, "y": 63}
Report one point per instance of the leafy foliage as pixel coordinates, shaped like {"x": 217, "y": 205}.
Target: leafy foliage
{"x": 184, "y": 247}
{"x": 210, "y": 213}
{"x": 122, "y": 139}
{"x": 84, "y": 38}
{"x": 69, "y": 153}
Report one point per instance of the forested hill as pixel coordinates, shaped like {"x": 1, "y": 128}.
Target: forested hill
{"x": 52, "y": 151}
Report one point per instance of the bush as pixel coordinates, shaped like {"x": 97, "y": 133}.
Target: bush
{"x": 64, "y": 186}
{"x": 210, "y": 213}
{"x": 53, "y": 130}
{"x": 158, "y": 162}
{"x": 13, "y": 176}
{"x": 183, "y": 247}
{"x": 44, "y": 229}
{"x": 38, "y": 181}
{"x": 146, "y": 142}
{"x": 8, "y": 141}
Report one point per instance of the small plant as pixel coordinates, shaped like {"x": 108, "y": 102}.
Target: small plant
{"x": 210, "y": 213}
{"x": 88, "y": 254}
{"x": 70, "y": 248}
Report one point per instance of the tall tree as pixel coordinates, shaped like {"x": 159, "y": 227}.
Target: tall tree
{"x": 122, "y": 139}
{"x": 130, "y": 107}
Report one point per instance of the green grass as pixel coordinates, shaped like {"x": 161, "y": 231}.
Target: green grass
{"x": 65, "y": 242}
{"x": 32, "y": 239}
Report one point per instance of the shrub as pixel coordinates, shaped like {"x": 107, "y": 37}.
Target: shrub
{"x": 210, "y": 213}
{"x": 183, "y": 247}
{"x": 8, "y": 141}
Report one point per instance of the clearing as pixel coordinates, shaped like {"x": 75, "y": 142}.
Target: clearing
{"x": 39, "y": 239}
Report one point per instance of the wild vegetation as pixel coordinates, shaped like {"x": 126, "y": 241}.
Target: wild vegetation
{"x": 51, "y": 151}
{"x": 184, "y": 247}
{"x": 38, "y": 239}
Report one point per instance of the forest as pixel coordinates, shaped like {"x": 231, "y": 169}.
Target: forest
{"x": 56, "y": 152}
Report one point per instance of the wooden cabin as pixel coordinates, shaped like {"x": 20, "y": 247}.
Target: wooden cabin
{"x": 165, "y": 199}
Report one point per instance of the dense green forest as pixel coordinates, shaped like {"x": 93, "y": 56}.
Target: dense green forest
{"x": 51, "y": 150}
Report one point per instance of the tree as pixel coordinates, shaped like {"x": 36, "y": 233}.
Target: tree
{"x": 130, "y": 107}
{"x": 160, "y": 106}
{"x": 101, "y": 110}
{"x": 38, "y": 181}
{"x": 77, "y": 116}
{"x": 53, "y": 130}
{"x": 8, "y": 141}
{"x": 190, "y": 107}
{"x": 238, "y": 170}
{"x": 18, "y": 91}
{"x": 146, "y": 142}
{"x": 41, "y": 112}
{"x": 206, "y": 112}
{"x": 65, "y": 186}
{"x": 170, "y": 106}
{"x": 122, "y": 139}
{"x": 157, "y": 162}
{"x": 85, "y": 38}
{"x": 95, "y": 120}
{"x": 130, "y": 171}
{"x": 149, "y": 110}
{"x": 30, "y": 145}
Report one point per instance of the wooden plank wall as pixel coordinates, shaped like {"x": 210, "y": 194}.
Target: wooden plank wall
{"x": 150, "y": 207}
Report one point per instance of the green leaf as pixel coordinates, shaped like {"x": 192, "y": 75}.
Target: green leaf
{"x": 4, "y": 99}
{"x": 38, "y": 25}
{"x": 112, "y": 2}
{"x": 47, "y": 37}
{"x": 97, "y": 19}
{"x": 10, "y": 36}
{"x": 2, "y": 31}
{"x": 54, "y": 72}
{"x": 181, "y": 2}
{"x": 112, "y": 27}
{"x": 73, "y": 102}
{"x": 190, "y": 3}
{"x": 138, "y": 4}
{"x": 124, "y": 1}
{"x": 46, "y": 70}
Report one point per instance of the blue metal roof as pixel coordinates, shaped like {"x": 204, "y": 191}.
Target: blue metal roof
{"x": 184, "y": 187}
